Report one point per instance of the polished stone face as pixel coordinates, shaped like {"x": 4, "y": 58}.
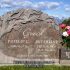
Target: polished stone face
{"x": 36, "y": 40}
{"x": 32, "y": 38}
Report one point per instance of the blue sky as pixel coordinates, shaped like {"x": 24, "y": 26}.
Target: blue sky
{"x": 57, "y": 8}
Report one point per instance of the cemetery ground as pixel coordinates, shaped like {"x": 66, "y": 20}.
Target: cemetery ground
{"x": 46, "y": 67}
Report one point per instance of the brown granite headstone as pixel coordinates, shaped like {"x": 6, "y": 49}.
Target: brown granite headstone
{"x": 29, "y": 34}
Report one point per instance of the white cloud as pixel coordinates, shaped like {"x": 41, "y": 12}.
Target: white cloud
{"x": 47, "y": 5}
{"x": 29, "y": 4}
{"x": 53, "y": 5}
{"x": 67, "y": 9}
{"x": 66, "y": 5}
{"x": 55, "y": 15}
{"x": 5, "y": 5}
{"x": 25, "y": 3}
{"x": 7, "y": 0}
{"x": 39, "y": 5}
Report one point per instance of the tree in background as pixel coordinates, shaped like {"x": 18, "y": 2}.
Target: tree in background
{"x": 66, "y": 21}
